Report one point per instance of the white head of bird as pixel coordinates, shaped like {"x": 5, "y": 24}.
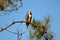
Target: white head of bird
{"x": 30, "y": 14}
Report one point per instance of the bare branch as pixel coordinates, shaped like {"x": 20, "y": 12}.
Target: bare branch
{"x": 19, "y": 35}
{"x": 11, "y": 25}
{"x": 17, "y": 22}
{"x": 16, "y": 32}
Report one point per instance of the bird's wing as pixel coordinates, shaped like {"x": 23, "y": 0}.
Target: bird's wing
{"x": 27, "y": 17}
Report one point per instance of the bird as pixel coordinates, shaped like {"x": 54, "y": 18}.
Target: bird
{"x": 28, "y": 18}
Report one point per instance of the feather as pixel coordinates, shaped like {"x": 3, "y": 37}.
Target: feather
{"x": 28, "y": 18}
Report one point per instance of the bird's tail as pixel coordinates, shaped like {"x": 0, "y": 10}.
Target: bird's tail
{"x": 27, "y": 24}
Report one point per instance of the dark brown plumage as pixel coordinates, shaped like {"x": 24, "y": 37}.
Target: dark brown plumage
{"x": 28, "y": 18}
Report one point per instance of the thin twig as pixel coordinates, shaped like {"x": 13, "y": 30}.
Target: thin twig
{"x": 17, "y": 35}
{"x": 16, "y": 32}
{"x": 11, "y": 32}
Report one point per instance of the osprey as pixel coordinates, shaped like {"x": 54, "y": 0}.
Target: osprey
{"x": 28, "y": 18}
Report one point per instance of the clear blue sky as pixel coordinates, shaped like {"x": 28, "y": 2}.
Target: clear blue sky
{"x": 40, "y": 9}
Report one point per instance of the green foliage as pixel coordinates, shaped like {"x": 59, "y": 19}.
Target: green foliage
{"x": 1, "y": 6}
{"x": 7, "y": 6}
{"x": 36, "y": 23}
{"x": 40, "y": 29}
